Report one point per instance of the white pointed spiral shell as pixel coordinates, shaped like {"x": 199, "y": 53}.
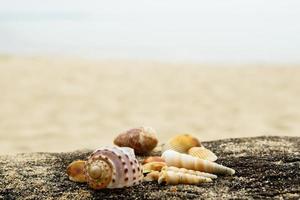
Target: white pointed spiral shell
{"x": 189, "y": 171}
{"x": 174, "y": 178}
{"x": 113, "y": 167}
{"x": 173, "y": 158}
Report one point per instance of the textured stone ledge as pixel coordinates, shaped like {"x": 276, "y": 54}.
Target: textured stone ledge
{"x": 267, "y": 167}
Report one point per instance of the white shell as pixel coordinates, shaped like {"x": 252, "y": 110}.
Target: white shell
{"x": 173, "y": 158}
{"x": 189, "y": 171}
{"x": 174, "y": 178}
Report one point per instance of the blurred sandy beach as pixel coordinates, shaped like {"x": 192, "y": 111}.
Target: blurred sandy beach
{"x": 67, "y": 104}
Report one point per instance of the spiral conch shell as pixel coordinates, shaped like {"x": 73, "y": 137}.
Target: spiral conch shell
{"x": 188, "y": 144}
{"x": 110, "y": 167}
{"x": 143, "y": 139}
{"x": 173, "y": 158}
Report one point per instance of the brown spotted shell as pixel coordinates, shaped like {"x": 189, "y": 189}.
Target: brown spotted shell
{"x": 112, "y": 167}
{"x": 143, "y": 139}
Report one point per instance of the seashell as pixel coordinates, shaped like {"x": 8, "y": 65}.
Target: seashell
{"x": 152, "y": 176}
{"x": 203, "y": 153}
{"x": 181, "y": 143}
{"x": 153, "y": 159}
{"x": 153, "y": 166}
{"x": 75, "y": 171}
{"x": 174, "y": 178}
{"x": 181, "y": 160}
{"x": 111, "y": 167}
{"x": 186, "y": 143}
{"x": 189, "y": 171}
{"x": 142, "y": 140}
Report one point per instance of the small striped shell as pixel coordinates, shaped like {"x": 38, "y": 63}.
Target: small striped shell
{"x": 182, "y": 143}
{"x": 203, "y": 153}
{"x": 188, "y": 171}
{"x": 154, "y": 175}
{"x": 113, "y": 167}
{"x": 180, "y": 160}
{"x": 174, "y": 178}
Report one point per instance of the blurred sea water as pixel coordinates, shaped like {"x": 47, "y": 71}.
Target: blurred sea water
{"x": 200, "y": 31}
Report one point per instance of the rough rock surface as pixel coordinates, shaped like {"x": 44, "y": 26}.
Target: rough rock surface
{"x": 266, "y": 167}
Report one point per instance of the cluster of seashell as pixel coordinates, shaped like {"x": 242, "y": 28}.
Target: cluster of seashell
{"x": 184, "y": 161}
{"x": 179, "y": 168}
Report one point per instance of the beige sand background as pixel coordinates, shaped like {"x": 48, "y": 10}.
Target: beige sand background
{"x": 56, "y": 104}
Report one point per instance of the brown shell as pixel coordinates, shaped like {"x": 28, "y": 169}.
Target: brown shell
{"x": 75, "y": 171}
{"x": 143, "y": 140}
